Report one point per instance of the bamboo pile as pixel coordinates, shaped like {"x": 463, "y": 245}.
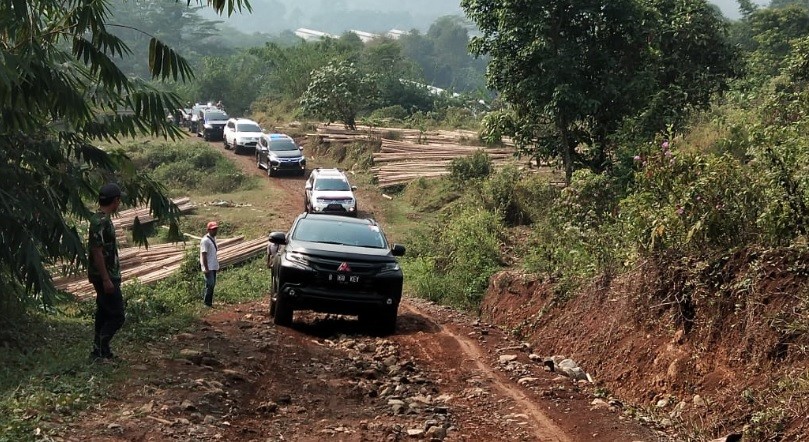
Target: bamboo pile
{"x": 125, "y": 219}
{"x": 400, "y": 162}
{"x": 161, "y": 261}
{"x": 338, "y": 134}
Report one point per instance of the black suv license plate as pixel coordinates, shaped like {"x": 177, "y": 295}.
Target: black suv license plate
{"x": 343, "y": 278}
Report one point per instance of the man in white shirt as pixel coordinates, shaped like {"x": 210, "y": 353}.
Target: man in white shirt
{"x": 209, "y": 261}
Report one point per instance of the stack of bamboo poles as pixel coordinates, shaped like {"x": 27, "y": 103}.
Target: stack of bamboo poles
{"x": 125, "y": 219}
{"x": 400, "y": 162}
{"x": 338, "y": 134}
{"x": 161, "y": 261}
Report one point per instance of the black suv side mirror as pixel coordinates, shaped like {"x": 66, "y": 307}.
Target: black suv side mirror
{"x": 278, "y": 238}
{"x": 397, "y": 250}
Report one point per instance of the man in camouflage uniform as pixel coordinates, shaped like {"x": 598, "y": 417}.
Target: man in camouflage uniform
{"x": 104, "y": 272}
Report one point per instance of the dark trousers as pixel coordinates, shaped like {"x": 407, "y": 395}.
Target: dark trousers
{"x": 109, "y": 316}
{"x": 210, "y": 283}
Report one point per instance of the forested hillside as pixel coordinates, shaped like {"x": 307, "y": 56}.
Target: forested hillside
{"x": 682, "y": 138}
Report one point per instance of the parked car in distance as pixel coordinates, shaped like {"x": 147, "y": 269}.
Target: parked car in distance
{"x": 211, "y": 124}
{"x": 328, "y": 191}
{"x": 196, "y": 116}
{"x": 335, "y": 264}
{"x": 279, "y": 153}
{"x": 241, "y": 134}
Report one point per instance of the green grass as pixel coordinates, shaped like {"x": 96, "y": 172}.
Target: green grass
{"x": 45, "y": 377}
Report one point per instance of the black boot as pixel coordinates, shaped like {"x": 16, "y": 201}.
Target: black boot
{"x": 105, "y": 351}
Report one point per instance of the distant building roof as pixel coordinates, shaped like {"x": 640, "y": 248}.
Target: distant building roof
{"x": 396, "y": 33}
{"x": 311, "y": 34}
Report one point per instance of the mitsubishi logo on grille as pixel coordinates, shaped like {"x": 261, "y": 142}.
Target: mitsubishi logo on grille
{"x": 344, "y": 267}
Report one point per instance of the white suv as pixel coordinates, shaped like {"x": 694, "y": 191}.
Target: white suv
{"x": 241, "y": 134}
{"x": 328, "y": 191}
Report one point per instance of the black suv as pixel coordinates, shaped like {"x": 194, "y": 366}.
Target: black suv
{"x": 335, "y": 264}
{"x": 211, "y": 124}
{"x": 279, "y": 153}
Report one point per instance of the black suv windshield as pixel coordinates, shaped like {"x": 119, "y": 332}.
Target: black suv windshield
{"x": 248, "y": 127}
{"x": 282, "y": 145}
{"x": 215, "y": 116}
{"x": 331, "y": 184}
{"x": 345, "y": 233}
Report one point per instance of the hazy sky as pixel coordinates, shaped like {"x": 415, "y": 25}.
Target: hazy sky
{"x": 338, "y": 16}
{"x": 731, "y": 9}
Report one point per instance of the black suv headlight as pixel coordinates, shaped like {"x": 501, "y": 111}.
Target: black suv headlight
{"x": 390, "y": 267}
{"x": 298, "y": 259}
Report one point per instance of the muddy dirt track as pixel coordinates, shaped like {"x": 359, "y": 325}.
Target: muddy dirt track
{"x": 443, "y": 376}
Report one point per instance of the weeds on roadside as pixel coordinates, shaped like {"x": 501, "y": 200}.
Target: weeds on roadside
{"x": 45, "y": 378}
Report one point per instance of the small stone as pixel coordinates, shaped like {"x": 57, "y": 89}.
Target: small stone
{"x": 113, "y": 426}
{"x": 267, "y": 407}
{"x": 527, "y": 380}
{"x": 505, "y": 359}
{"x": 662, "y": 403}
{"x": 436, "y": 433}
{"x": 209, "y": 420}
{"x": 194, "y": 356}
{"x": 599, "y": 404}
{"x": 234, "y": 375}
{"x": 415, "y": 432}
{"x": 698, "y": 401}
{"x": 188, "y": 405}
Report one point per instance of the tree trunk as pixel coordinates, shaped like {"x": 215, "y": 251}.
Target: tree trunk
{"x": 567, "y": 150}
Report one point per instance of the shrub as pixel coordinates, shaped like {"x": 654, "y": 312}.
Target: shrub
{"x": 473, "y": 167}
{"x": 454, "y": 257}
{"x": 187, "y": 168}
{"x": 691, "y": 202}
{"x": 396, "y": 112}
{"x": 499, "y": 195}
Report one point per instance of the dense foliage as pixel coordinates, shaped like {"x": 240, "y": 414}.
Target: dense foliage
{"x": 584, "y": 68}
{"x": 398, "y": 71}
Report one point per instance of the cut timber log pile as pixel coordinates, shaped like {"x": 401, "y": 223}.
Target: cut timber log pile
{"x": 400, "y": 162}
{"x": 161, "y": 261}
{"x": 338, "y": 134}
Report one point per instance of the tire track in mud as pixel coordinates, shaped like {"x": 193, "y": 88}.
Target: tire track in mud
{"x": 437, "y": 348}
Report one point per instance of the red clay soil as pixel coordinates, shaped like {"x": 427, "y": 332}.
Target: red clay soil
{"x": 706, "y": 350}
{"x": 442, "y": 376}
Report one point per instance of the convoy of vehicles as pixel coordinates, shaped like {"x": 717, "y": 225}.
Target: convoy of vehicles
{"x": 327, "y": 262}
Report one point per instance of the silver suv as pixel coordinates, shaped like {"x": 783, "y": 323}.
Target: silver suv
{"x": 328, "y": 191}
{"x": 241, "y": 134}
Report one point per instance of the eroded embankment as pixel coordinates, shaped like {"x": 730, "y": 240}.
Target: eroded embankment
{"x": 716, "y": 347}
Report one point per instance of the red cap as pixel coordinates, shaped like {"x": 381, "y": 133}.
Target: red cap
{"x": 213, "y": 225}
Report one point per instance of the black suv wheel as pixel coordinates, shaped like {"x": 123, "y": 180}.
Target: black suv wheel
{"x": 283, "y": 312}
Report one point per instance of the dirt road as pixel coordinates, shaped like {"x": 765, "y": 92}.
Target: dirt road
{"x": 442, "y": 376}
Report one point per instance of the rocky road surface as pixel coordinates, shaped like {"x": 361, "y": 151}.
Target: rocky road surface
{"x": 442, "y": 376}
